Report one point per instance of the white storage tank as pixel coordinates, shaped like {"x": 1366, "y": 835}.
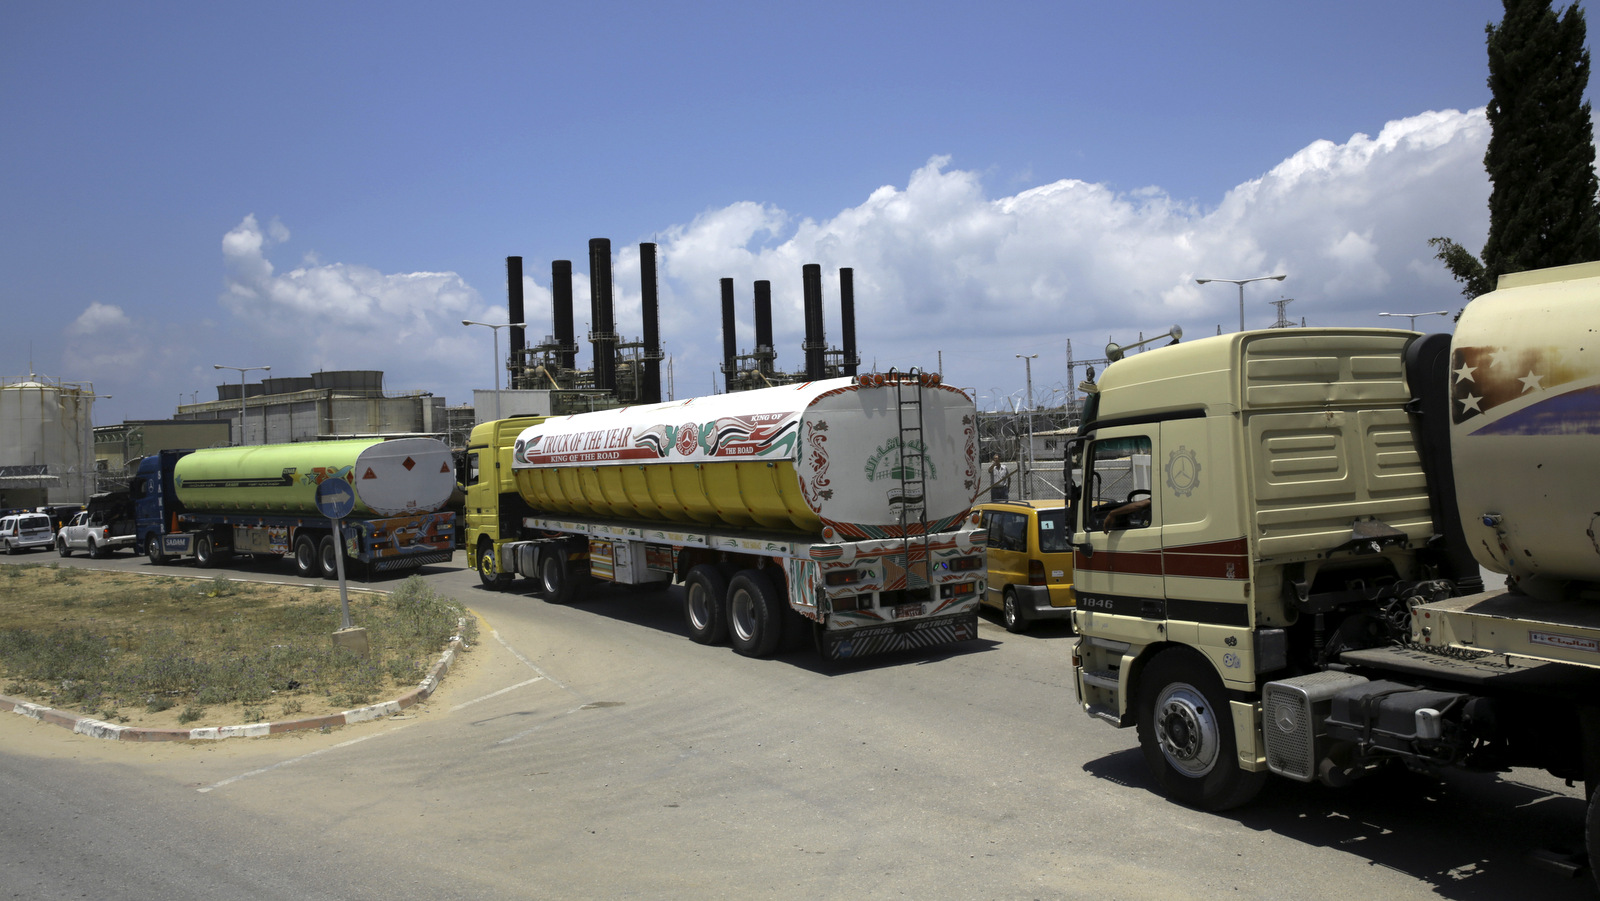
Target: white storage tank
{"x": 46, "y": 442}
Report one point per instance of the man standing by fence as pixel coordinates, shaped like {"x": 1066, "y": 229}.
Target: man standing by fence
{"x": 999, "y": 480}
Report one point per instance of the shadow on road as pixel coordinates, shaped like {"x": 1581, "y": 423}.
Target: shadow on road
{"x": 661, "y": 609}
{"x": 1468, "y": 836}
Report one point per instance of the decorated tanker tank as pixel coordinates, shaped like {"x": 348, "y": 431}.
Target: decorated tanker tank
{"x": 849, "y": 458}
{"x": 1525, "y": 402}
{"x": 390, "y": 478}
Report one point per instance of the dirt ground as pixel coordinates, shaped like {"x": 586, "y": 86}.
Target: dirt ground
{"x": 41, "y": 596}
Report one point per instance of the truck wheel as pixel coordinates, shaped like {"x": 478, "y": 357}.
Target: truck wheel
{"x": 327, "y": 561}
{"x": 1014, "y": 621}
{"x": 61, "y": 547}
{"x": 204, "y": 556}
{"x": 755, "y": 614}
{"x": 305, "y": 556}
{"x": 1186, "y": 734}
{"x": 96, "y": 552}
{"x": 488, "y": 571}
{"x": 556, "y": 585}
{"x": 152, "y": 549}
{"x": 705, "y": 604}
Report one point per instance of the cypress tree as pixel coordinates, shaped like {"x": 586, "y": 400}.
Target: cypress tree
{"x": 1543, "y": 205}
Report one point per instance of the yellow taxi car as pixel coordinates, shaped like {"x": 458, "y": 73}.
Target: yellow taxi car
{"x": 1030, "y": 563}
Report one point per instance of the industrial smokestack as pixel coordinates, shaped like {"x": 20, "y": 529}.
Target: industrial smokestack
{"x": 561, "y": 307}
{"x": 514, "y": 304}
{"x": 847, "y": 317}
{"x": 603, "y": 327}
{"x": 816, "y": 341}
{"x": 764, "y": 352}
{"x": 730, "y": 342}
{"x": 651, "y": 393}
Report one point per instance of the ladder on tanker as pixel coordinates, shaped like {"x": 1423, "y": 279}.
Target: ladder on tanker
{"x": 915, "y": 542}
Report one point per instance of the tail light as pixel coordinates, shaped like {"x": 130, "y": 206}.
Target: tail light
{"x": 1036, "y": 573}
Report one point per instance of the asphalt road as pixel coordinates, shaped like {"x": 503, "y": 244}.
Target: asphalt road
{"x": 594, "y": 751}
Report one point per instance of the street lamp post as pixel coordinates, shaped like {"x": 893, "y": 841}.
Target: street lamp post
{"x": 1027, "y": 362}
{"x": 1413, "y": 316}
{"x": 495, "y": 327}
{"x": 1241, "y": 282}
{"x": 242, "y": 370}
{"x": 1027, "y": 458}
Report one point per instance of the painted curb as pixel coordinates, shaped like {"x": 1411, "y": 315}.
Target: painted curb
{"x": 84, "y": 725}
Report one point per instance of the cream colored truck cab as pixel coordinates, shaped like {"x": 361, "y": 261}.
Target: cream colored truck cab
{"x": 1285, "y": 479}
{"x": 1301, "y": 595}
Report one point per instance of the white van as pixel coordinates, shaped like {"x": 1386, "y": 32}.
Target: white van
{"x": 21, "y": 531}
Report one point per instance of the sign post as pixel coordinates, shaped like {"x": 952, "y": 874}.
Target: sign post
{"x": 336, "y": 500}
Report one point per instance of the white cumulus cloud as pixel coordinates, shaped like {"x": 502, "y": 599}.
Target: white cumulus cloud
{"x": 343, "y": 315}
{"x": 940, "y": 265}
{"x": 946, "y": 274}
{"x": 99, "y": 318}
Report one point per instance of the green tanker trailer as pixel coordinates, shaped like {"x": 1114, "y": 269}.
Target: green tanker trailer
{"x": 261, "y": 501}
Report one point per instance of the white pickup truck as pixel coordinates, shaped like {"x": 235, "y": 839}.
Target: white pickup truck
{"x": 99, "y": 530}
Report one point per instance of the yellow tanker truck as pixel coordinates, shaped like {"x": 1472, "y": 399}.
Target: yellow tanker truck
{"x": 838, "y": 511}
{"x": 1301, "y": 593}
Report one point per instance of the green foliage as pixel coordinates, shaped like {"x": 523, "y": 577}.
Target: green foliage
{"x": 1543, "y": 207}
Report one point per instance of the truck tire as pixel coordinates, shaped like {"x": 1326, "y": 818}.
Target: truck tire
{"x": 305, "y": 556}
{"x": 755, "y": 614}
{"x": 96, "y": 552}
{"x": 488, "y": 569}
{"x": 705, "y": 604}
{"x": 61, "y": 547}
{"x": 152, "y": 549}
{"x": 205, "y": 556}
{"x": 1015, "y": 624}
{"x": 327, "y": 561}
{"x": 556, "y": 584}
{"x": 1186, "y": 734}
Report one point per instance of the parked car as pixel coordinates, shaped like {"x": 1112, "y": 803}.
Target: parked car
{"x": 22, "y": 531}
{"x": 1030, "y": 562}
{"x": 105, "y": 527}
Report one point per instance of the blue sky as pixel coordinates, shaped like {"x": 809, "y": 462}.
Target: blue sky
{"x": 330, "y": 186}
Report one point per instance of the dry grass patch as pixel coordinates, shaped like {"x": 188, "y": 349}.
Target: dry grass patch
{"x": 165, "y": 652}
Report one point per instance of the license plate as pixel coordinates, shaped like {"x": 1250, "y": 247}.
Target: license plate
{"x": 905, "y": 610}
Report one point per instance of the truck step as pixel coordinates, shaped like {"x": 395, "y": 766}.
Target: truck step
{"x": 1102, "y": 678}
{"x": 1101, "y": 712}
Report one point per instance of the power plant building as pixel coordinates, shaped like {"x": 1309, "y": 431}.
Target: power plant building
{"x": 350, "y": 403}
